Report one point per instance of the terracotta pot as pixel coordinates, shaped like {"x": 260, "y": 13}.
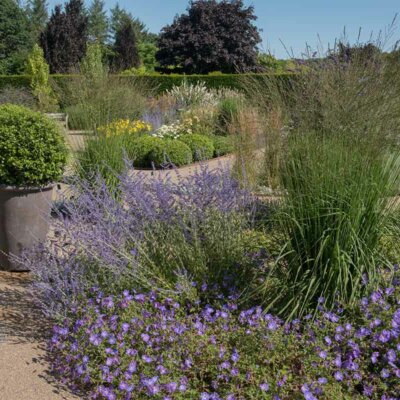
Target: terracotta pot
{"x": 24, "y": 221}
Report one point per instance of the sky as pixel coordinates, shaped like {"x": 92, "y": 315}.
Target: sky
{"x": 295, "y": 23}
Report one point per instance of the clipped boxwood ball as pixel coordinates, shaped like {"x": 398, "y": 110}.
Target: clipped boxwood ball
{"x": 222, "y": 145}
{"x": 139, "y": 149}
{"x": 171, "y": 151}
{"x": 202, "y": 146}
{"x": 32, "y": 149}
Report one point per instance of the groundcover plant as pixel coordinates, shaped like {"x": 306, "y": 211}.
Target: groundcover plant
{"x": 150, "y": 294}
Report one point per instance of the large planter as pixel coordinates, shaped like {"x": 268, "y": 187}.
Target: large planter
{"x": 24, "y": 221}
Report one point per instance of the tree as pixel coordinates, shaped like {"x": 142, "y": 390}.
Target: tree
{"x": 147, "y": 54}
{"x": 38, "y": 16}
{"x": 38, "y": 69}
{"x": 65, "y": 37}
{"x": 98, "y": 22}
{"x": 125, "y": 48}
{"x": 212, "y": 36}
{"x": 119, "y": 16}
{"x": 15, "y": 38}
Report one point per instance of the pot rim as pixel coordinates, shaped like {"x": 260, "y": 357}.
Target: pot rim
{"x": 4, "y": 187}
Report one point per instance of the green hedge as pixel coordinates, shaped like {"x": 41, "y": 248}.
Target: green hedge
{"x": 161, "y": 82}
{"x": 17, "y": 81}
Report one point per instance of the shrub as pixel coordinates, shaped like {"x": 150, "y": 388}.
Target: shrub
{"x": 169, "y": 152}
{"x": 222, "y": 145}
{"x": 38, "y": 69}
{"x": 164, "y": 234}
{"x": 146, "y": 345}
{"x": 32, "y": 149}
{"x": 139, "y": 150}
{"x": 202, "y": 147}
{"x": 188, "y": 94}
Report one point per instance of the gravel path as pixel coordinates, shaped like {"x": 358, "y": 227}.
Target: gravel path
{"x": 24, "y": 369}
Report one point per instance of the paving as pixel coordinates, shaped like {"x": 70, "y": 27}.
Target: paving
{"x": 24, "y": 367}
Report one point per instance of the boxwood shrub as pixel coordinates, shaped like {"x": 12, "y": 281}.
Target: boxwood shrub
{"x": 222, "y": 145}
{"x": 32, "y": 149}
{"x": 140, "y": 148}
{"x": 168, "y": 151}
{"x": 202, "y": 147}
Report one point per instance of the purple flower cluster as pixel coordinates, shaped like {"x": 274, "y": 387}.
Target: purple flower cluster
{"x": 137, "y": 346}
{"x": 98, "y": 241}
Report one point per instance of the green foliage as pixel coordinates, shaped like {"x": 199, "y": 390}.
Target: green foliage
{"x": 222, "y": 145}
{"x": 270, "y": 64}
{"x": 15, "y": 37}
{"x": 202, "y": 147}
{"x": 168, "y": 151}
{"x": 98, "y": 22}
{"x": 18, "y": 96}
{"x": 227, "y": 112}
{"x": 38, "y": 16}
{"x": 336, "y": 209}
{"x": 103, "y": 156}
{"x": 92, "y": 64}
{"x": 15, "y": 81}
{"x": 38, "y": 69}
{"x": 32, "y": 149}
{"x": 147, "y": 54}
{"x": 164, "y": 82}
{"x": 91, "y": 102}
{"x": 139, "y": 150}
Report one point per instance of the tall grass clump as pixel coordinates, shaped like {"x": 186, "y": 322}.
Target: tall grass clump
{"x": 338, "y": 172}
{"x": 338, "y": 205}
{"x": 94, "y": 97}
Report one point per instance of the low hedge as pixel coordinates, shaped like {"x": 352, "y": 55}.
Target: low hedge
{"x": 169, "y": 151}
{"x": 222, "y": 145}
{"x": 161, "y": 82}
{"x": 202, "y": 147}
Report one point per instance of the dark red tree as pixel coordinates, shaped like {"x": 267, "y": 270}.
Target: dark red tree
{"x": 65, "y": 37}
{"x": 212, "y": 36}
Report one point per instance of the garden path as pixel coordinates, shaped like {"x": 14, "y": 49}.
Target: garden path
{"x": 24, "y": 368}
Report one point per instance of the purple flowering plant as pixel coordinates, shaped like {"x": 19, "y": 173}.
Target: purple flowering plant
{"x": 158, "y": 233}
{"x": 138, "y": 346}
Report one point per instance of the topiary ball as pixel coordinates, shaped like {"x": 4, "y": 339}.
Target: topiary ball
{"x": 169, "y": 151}
{"x": 139, "y": 149}
{"x": 32, "y": 148}
{"x": 222, "y": 145}
{"x": 202, "y": 146}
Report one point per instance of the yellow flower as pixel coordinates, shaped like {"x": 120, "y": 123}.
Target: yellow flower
{"x": 125, "y": 126}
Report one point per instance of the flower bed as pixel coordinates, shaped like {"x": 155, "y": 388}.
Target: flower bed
{"x": 137, "y": 346}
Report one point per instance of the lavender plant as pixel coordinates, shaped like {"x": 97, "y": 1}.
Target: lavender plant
{"x": 157, "y": 233}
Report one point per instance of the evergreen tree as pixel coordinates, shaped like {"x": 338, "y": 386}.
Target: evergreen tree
{"x": 65, "y": 37}
{"x": 119, "y": 17}
{"x": 15, "y": 37}
{"x": 125, "y": 48}
{"x": 98, "y": 22}
{"x": 38, "y": 16}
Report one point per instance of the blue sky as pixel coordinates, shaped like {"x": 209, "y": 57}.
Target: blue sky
{"x": 295, "y": 22}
